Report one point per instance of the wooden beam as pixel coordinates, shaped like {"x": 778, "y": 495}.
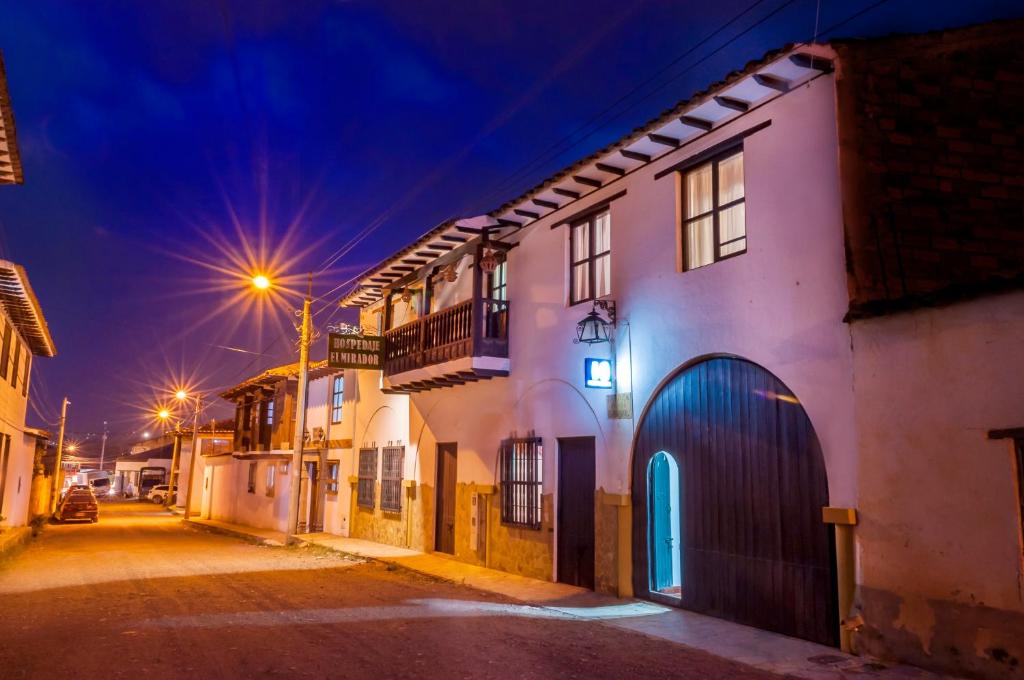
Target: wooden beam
{"x": 454, "y": 239}
{"x": 566, "y": 192}
{"x": 732, "y": 103}
{"x": 508, "y": 223}
{"x": 467, "y": 230}
{"x": 699, "y": 123}
{"x": 773, "y": 82}
{"x": 613, "y": 169}
{"x": 587, "y": 181}
{"x": 804, "y": 60}
{"x": 413, "y": 260}
{"x": 527, "y": 214}
{"x": 440, "y": 246}
{"x": 426, "y": 253}
{"x": 635, "y": 156}
{"x": 664, "y": 140}
{"x": 545, "y": 204}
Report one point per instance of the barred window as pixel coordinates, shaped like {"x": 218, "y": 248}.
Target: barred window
{"x": 252, "y": 477}
{"x": 332, "y": 476}
{"x": 367, "y": 477}
{"x": 337, "y": 398}
{"x": 391, "y": 479}
{"x": 520, "y": 462}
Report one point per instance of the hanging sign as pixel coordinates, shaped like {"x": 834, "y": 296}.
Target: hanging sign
{"x": 597, "y": 373}
{"x": 354, "y": 351}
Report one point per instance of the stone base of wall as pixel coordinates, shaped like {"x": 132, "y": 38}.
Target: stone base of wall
{"x": 951, "y": 637}
{"x": 606, "y": 545}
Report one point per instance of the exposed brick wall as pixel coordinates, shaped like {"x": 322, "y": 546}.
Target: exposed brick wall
{"x": 931, "y": 131}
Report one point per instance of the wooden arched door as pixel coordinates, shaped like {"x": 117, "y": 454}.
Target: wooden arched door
{"x": 752, "y": 484}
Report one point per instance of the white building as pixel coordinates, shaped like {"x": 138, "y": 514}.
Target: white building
{"x": 23, "y": 336}
{"x": 808, "y": 409}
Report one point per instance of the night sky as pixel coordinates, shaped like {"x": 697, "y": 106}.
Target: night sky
{"x": 159, "y": 137}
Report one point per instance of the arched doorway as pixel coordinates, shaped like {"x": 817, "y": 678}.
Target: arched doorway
{"x": 751, "y": 484}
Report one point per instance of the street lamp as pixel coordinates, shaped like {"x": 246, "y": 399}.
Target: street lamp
{"x": 260, "y": 282}
{"x": 183, "y": 396}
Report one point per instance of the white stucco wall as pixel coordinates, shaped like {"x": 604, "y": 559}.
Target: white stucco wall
{"x": 13, "y": 407}
{"x": 939, "y": 517}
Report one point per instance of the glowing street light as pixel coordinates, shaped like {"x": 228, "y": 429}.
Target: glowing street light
{"x": 163, "y": 414}
{"x": 260, "y": 282}
{"x": 181, "y": 395}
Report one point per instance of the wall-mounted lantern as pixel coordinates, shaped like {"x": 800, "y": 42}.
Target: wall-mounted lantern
{"x": 449, "y": 273}
{"x": 489, "y": 262}
{"x": 406, "y": 295}
{"x": 593, "y": 328}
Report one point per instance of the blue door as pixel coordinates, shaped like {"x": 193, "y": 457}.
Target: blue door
{"x": 662, "y": 544}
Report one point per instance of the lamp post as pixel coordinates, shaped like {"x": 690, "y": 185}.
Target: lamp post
{"x": 182, "y": 396}
{"x": 164, "y": 415}
{"x": 60, "y": 453}
{"x": 305, "y": 333}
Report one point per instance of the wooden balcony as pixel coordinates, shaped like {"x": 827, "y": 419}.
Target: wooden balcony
{"x": 474, "y": 328}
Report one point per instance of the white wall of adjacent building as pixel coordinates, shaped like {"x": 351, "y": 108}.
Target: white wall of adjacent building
{"x": 13, "y": 406}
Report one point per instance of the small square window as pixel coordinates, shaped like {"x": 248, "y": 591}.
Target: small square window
{"x": 332, "y": 477}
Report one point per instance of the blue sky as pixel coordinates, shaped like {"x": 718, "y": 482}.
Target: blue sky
{"x": 144, "y": 126}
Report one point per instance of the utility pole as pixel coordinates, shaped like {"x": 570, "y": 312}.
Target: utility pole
{"x": 175, "y": 462}
{"x": 192, "y": 457}
{"x": 103, "y": 445}
{"x": 300, "y": 415}
{"x": 60, "y": 453}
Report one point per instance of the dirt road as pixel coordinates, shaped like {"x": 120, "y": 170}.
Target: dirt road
{"x": 141, "y": 595}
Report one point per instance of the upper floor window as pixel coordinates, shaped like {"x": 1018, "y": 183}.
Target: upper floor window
{"x": 270, "y": 412}
{"x": 337, "y": 397}
{"x": 17, "y": 364}
{"x": 714, "y": 211}
{"x": 5, "y": 353}
{"x": 497, "y": 282}
{"x": 590, "y": 258}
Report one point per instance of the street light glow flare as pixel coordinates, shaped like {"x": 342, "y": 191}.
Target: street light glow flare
{"x": 163, "y": 414}
{"x": 260, "y": 282}
{"x": 181, "y": 395}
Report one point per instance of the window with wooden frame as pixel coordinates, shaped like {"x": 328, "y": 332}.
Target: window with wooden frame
{"x": 497, "y": 282}
{"x": 391, "y": 479}
{"x": 366, "y": 486}
{"x": 270, "y": 411}
{"x": 714, "y": 210}
{"x": 337, "y": 398}
{"x": 5, "y": 352}
{"x": 252, "y": 478}
{"x": 331, "y": 486}
{"x": 24, "y": 377}
{"x": 590, "y": 257}
{"x": 17, "y": 362}
{"x": 271, "y": 478}
{"x": 520, "y": 465}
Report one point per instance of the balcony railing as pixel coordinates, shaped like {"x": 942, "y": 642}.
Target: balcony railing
{"x": 474, "y": 328}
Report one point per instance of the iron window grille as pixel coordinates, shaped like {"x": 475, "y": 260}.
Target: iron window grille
{"x": 366, "y": 486}
{"x": 714, "y": 211}
{"x": 590, "y": 257}
{"x": 521, "y": 463}
{"x": 391, "y": 479}
{"x": 337, "y": 397}
{"x": 332, "y": 476}
{"x": 252, "y": 477}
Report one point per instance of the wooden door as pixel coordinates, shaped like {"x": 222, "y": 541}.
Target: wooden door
{"x": 576, "y": 481}
{"x": 751, "y": 479}
{"x": 444, "y": 530}
{"x": 313, "y": 522}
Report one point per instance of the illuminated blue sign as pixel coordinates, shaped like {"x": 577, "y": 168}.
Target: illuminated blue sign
{"x": 597, "y": 373}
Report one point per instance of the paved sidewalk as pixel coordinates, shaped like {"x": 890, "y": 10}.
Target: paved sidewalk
{"x": 752, "y": 646}
{"x": 264, "y": 536}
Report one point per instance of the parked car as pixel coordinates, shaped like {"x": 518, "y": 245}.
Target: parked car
{"x": 78, "y": 503}
{"x": 158, "y": 494}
